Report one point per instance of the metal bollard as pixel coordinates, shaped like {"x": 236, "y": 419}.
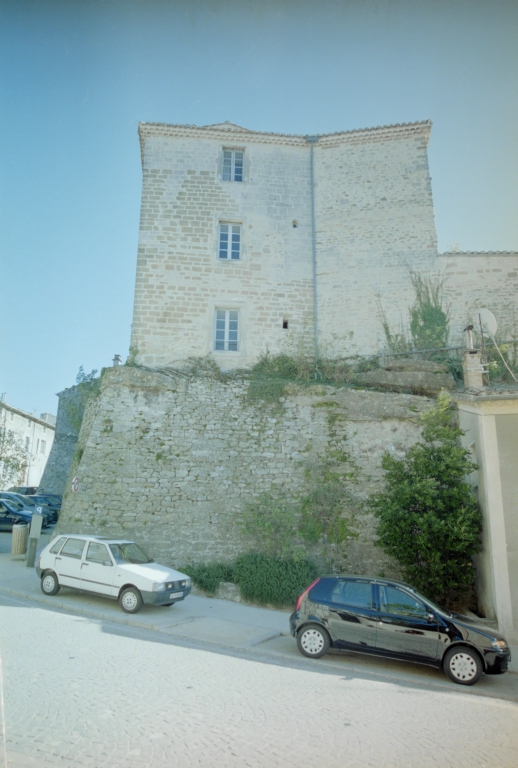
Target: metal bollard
{"x": 19, "y": 542}
{"x": 34, "y": 535}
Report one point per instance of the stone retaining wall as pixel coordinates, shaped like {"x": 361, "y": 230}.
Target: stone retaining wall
{"x": 171, "y": 461}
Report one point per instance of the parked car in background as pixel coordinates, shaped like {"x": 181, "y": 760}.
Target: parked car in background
{"x": 29, "y": 505}
{"x": 388, "y": 618}
{"x": 42, "y": 499}
{"x": 115, "y": 568}
{"x": 14, "y": 514}
{"x": 24, "y": 489}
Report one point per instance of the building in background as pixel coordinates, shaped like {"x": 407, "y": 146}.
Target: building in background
{"x": 36, "y": 436}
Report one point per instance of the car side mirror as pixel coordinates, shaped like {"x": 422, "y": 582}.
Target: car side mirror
{"x": 431, "y": 618}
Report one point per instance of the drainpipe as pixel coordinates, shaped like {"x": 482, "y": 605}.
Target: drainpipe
{"x": 312, "y": 141}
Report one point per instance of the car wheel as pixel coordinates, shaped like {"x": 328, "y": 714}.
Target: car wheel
{"x": 49, "y": 583}
{"x": 313, "y": 641}
{"x": 462, "y": 665}
{"x": 130, "y": 600}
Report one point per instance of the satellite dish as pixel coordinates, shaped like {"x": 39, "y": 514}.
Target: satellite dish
{"x": 487, "y": 322}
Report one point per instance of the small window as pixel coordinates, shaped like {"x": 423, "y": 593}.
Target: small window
{"x": 97, "y": 553}
{"x": 285, "y": 325}
{"x": 11, "y": 416}
{"x": 27, "y": 443}
{"x": 43, "y": 446}
{"x": 44, "y": 430}
{"x": 230, "y": 241}
{"x": 295, "y": 224}
{"x": 393, "y": 600}
{"x": 227, "y": 330}
{"x": 57, "y": 545}
{"x": 233, "y": 165}
{"x": 74, "y": 548}
{"x": 355, "y": 594}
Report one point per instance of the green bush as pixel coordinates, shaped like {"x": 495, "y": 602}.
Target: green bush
{"x": 273, "y": 580}
{"x": 208, "y": 577}
{"x": 429, "y": 519}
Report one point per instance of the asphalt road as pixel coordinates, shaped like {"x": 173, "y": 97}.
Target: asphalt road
{"x": 78, "y": 691}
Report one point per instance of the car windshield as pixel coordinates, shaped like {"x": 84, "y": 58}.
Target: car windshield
{"x": 129, "y": 553}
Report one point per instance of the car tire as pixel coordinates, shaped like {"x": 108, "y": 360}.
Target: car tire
{"x": 313, "y": 641}
{"x": 49, "y": 583}
{"x": 130, "y": 600}
{"x": 463, "y": 665}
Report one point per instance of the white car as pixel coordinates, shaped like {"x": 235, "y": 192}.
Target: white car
{"x": 113, "y": 567}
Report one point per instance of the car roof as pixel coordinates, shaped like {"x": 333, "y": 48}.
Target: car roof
{"x": 89, "y": 537}
{"x": 373, "y": 579}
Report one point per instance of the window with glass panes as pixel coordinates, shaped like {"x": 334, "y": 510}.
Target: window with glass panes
{"x": 230, "y": 241}
{"x": 233, "y": 165}
{"x": 227, "y": 330}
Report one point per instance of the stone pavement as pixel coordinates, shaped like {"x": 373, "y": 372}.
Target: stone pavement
{"x": 86, "y": 693}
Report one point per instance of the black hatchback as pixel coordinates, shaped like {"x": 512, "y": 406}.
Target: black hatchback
{"x": 391, "y": 619}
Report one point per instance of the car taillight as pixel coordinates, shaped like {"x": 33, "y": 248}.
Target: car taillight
{"x": 303, "y": 595}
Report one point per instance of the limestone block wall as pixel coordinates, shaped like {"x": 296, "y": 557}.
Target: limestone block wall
{"x": 60, "y": 458}
{"x": 476, "y": 280}
{"x": 171, "y": 461}
{"x": 374, "y": 218}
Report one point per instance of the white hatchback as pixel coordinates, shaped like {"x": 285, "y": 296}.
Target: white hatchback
{"x": 113, "y": 567}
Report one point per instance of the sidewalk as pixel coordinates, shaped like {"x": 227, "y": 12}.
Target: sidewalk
{"x": 200, "y": 618}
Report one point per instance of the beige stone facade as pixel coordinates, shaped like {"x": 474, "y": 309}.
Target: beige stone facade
{"x": 374, "y": 218}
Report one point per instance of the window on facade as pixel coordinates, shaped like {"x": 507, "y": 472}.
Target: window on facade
{"x": 233, "y": 165}
{"x": 11, "y": 416}
{"x": 227, "y": 330}
{"x": 27, "y": 443}
{"x": 230, "y": 241}
{"x": 43, "y": 446}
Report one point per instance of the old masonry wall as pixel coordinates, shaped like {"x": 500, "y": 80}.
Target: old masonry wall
{"x": 172, "y": 460}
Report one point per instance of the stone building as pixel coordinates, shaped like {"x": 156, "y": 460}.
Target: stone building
{"x": 248, "y": 240}
{"x": 35, "y": 435}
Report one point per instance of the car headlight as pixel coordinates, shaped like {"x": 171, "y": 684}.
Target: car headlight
{"x": 158, "y": 586}
{"x": 499, "y": 644}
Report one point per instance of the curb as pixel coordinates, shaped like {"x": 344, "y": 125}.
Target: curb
{"x": 138, "y": 624}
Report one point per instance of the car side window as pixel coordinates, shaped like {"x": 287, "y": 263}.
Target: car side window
{"x": 356, "y": 594}
{"x": 97, "y": 553}
{"x": 57, "y": 545}
{"x": 393, "y": 600}
{"x": 74, "y": 548}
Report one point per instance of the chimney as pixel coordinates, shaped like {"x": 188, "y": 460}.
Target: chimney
{"x": 472, "y": 363}
{"x": 116, "y": 360}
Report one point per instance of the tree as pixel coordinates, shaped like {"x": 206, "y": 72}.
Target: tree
{"x": 429, "y": 519}
{"x": 13, "y": 457}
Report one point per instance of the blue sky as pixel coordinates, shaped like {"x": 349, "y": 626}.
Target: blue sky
{"x": 76, "y": 77}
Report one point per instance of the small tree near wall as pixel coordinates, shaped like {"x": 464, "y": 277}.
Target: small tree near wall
{"x": 429, "y": 519}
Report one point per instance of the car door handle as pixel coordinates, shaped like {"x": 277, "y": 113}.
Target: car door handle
{"x": 83, "y": 564}
{"x": 58, "y": 558}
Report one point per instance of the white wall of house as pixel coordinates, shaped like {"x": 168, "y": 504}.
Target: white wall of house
{"x": 36, "y": 436}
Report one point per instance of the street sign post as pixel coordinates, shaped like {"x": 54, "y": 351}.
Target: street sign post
{"x": 34, "y": 535}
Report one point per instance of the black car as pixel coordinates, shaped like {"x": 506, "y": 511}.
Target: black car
{"x": 13, "y": 514}
{"x": 391, "y": 619}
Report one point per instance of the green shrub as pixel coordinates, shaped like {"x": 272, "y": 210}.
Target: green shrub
{"x": 429, "y": 519}
{"x": 209, "y": 576}
{"x": 273, "y": 580}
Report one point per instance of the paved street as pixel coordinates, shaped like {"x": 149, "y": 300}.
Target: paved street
{"x": 85, "y": 692}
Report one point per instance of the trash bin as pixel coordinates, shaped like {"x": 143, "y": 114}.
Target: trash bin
{"x": 20, "y": 535}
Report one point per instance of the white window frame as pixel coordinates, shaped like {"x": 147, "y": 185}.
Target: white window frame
{"x": 226, "y": 338}
{"x": 229, "y": 234}
{"x": 230, "y": 169}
